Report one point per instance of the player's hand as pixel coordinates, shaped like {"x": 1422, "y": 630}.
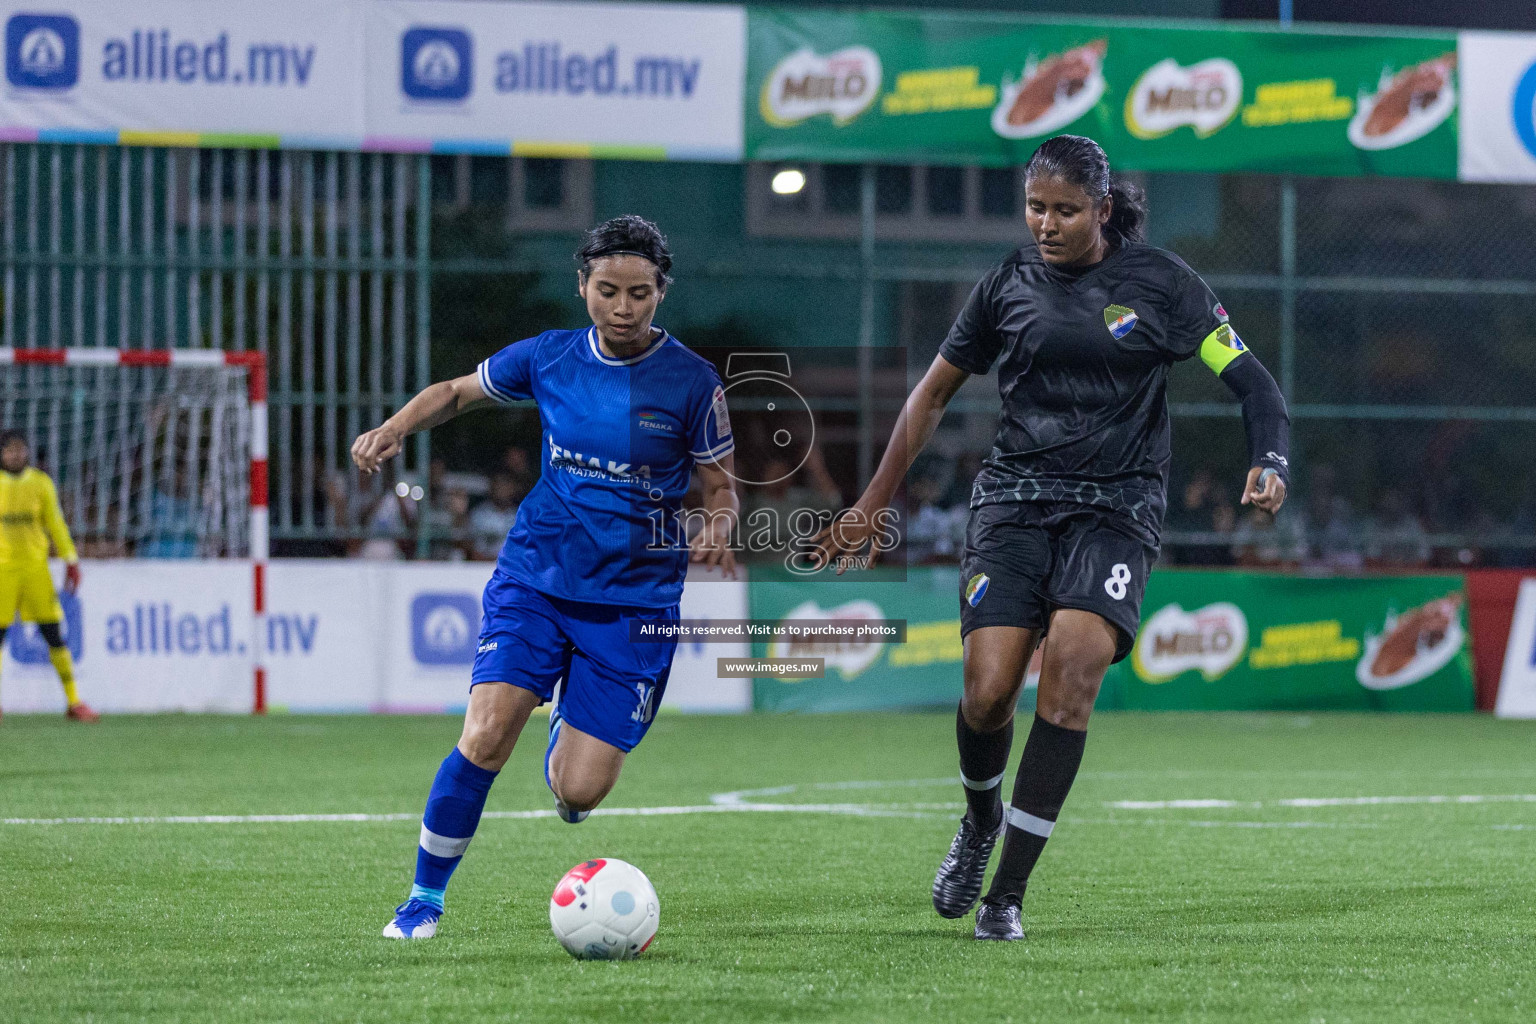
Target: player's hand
{"x": 71, "y": 577}
{"x": 712, "y": 547}
{"x": 372, "y": 448}
{"x": 847, "y": 534}
{"x": 1268, "y": 495}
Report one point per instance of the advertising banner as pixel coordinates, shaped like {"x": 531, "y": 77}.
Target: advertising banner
{"x": 1498, "y": 132}
{"x": 1232, "y": 640}
{"x": 930, "y": 88}
{"x": 183, "y": 72}
{"x": 160, "y": 635}
{"x": 1517, "y": 687}
{"x": 646, "y": 81}
{"x": 1209, "y": 641}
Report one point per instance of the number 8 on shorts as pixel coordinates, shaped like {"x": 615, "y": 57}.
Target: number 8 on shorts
{"x": 1119, "y": 577}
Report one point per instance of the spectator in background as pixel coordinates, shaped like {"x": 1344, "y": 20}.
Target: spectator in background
{"x": 1331, "y": 525}
{"x": 1397, "y": 538}
{"x": 492, "y": 519}
{"x": 1204, "y": 508}
{"x": 517, "y": 464}
{"x": 1263, "y": 541}
{"x": 934, "y": 532}
{"x": 446, "y": 518}
{"x": 958, "y": 493}
{"x": 785, "y": 492}
{"x": 376, "y": 515}
{"x": 172, "y": 520}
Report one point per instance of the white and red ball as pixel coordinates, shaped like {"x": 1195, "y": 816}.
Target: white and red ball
{"x": 604, "y": 909}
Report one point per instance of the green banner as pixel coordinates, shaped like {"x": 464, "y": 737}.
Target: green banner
{"x": 1208, "y": 641}
{"x": 988, "y": 89}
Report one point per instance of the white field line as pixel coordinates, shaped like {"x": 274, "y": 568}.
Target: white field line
{"x": 1327, "y": 801}
{"x": 739, "y": 801}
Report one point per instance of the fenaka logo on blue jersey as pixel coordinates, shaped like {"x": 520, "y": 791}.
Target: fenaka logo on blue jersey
{"x": 435, "y": 63}
{"x": 445, "y": 628}
{"x": 42, "y": 51}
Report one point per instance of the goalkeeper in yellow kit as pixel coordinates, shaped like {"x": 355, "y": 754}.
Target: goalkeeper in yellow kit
{"x": 29, "y": 517}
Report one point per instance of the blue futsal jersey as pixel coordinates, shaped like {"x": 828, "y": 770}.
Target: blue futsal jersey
{"x": 620, "y": 439}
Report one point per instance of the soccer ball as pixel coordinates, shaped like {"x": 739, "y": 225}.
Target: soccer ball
{"x": 604, "y": 910}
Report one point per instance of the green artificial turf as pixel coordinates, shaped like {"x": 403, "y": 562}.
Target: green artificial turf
{"x": 1261, "y": 912}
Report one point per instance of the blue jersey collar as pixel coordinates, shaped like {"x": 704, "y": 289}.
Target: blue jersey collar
{"x": 597, "y": 349}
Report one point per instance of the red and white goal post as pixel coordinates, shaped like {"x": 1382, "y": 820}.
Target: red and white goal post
{"x": 153, "y": 452}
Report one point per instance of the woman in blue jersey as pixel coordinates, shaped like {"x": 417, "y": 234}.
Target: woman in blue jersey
{"x": 628, "y": 415}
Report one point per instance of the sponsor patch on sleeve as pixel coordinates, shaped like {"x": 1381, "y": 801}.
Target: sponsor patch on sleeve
{"x": 721, "y": 413}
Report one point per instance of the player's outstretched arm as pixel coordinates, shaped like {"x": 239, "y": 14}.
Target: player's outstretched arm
{"x": 712, "y": 544}
{"x": 1268, "y": 425}
{"x": 437, "y": 404}
{"x": 919, "y": 418}
{"x": 63, "y": 543}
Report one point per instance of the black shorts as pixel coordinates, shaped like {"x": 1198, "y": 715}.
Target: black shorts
{"x": 1025, "y": 559}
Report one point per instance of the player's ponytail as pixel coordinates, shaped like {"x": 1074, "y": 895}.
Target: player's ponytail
{"x": 1128, "y": 215}
{"x": 629, "y": 235}
{"x": 1080, "y": 161}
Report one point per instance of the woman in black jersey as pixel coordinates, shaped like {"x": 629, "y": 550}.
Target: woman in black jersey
{"x": 1083, "y": 325}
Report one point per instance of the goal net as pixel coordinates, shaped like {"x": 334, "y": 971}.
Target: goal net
{"x": 155, "y": 454}
{"x": 149, "y": 460}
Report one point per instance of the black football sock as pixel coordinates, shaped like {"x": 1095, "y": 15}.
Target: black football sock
{"x": 1046, "y": 770}
{"x": 983, "y": 760}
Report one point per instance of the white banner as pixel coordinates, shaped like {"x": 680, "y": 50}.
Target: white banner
{"x": 1517, "y": 685}
{"x": 1498, "y": 106}
{"x": 103, "y": 67}
{"x": 152, "y": 635}
{"x": 558, "y": 79}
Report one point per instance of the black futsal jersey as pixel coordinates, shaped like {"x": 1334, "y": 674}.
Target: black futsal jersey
{"x": 1084, "y": 374}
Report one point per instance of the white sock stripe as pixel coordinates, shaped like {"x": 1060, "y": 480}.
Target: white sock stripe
{"x": 984, "y": 784}
{"x": 443, "y": 846}
{"x": 1028, "y": 822}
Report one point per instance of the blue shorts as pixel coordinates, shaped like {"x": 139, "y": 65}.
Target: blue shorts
{"x": 612, "y": 684}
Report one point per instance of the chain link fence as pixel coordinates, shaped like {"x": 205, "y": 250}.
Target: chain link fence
{"x": 1393, "y": 313}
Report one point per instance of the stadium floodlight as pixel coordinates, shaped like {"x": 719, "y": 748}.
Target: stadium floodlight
{"x": 789, "y": 181}
{"x": 153, "y": 452}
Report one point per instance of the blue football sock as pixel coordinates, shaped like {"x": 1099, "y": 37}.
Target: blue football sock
{"x": 453, "y": 812}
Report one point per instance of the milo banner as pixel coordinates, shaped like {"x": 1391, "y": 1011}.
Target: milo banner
{"x": 1209, "y": 641}
{"x": 931, "y": 88}
{"x": 1218, "y": 640}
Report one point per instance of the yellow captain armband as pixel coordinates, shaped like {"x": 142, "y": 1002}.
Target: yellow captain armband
{"x": 1220, "y": 347}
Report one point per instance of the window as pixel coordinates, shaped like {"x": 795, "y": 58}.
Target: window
{"x": 958, "y": 204}
{"x": 487, "y": 181}
{"x": 999, "y": 192}
{"x": 946, "y": 191}
{"x": 893, "y": 190}
{"x": 549, "y": 194}
{"x": 840, "y": 188}
{"x": 543, "y": 184}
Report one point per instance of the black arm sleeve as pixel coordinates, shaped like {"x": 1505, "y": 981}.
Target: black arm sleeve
{"x": 1265, "y": 417}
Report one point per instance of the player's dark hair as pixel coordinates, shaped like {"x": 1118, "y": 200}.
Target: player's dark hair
{"x": 629, "y": 235}
{"x": 1081, "y": 162}
{"x": 10, "y": 434}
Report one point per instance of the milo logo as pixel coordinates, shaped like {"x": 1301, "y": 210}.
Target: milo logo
{"x": 805, "y": 84}
{"x": 1173, "y": 641}
{"x": 848, "y": 656}
{"x": 1203, "y": 96}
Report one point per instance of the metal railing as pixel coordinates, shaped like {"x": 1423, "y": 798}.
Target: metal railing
{"x": 317, "y": 260}
{"x": 324, "y": 262}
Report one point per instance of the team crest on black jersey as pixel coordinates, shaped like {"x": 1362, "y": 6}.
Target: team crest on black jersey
{"x": 1119, "y": 320}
